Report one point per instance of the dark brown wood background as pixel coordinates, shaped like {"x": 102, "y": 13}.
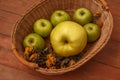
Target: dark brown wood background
{"x": 104, "y": 66}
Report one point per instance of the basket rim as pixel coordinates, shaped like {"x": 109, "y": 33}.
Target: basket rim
{"x": 57, "y": 71}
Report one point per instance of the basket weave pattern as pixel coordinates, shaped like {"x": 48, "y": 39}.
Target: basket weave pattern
{"x": 44, "y": 10}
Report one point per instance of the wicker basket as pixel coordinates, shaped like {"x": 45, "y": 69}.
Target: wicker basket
{"x": 44, "y": 10}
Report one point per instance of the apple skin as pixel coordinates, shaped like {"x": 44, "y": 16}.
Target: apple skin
{"x": 43, "y": 27}
{"x": 68, "y": 38}
{"x": 35, "y": 40}
{"x": 93, "y": 31}
{"x": 59, "y": 16}
{"x": 82, "y": 16}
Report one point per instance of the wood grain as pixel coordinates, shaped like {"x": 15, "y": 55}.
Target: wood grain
{"x": 110, "y": 55}
{"x": 7, "y": 21}
{"x": 7, "y": 73}
{"x": 104, "y": 66}
{"x": 91, "y": 70}
{"x": 17, "y": 7}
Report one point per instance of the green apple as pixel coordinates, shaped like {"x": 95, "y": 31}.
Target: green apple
{"x": 82, "y": 16}
{"x": 59, "y": 16}
{"x": 93, "y": 31}
{"x": 68, "y": 38}
{"x": 35, "y": 40}
{"x": 43, "y": 27}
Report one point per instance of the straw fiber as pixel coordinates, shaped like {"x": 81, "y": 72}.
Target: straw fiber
{"x": 44, "y": 10}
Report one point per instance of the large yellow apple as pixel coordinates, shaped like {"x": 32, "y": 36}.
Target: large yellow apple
{"x": 68, "y": 38}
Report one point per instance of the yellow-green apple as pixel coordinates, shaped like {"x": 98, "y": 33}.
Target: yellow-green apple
{"x": 93, "y": 31}
{"x": 82, "y": 16}
{"x": 43, "y": 27}
{"x": 68, "y": 38}
{"x": 35, "y": 40}
{"x": 59, "y": 16}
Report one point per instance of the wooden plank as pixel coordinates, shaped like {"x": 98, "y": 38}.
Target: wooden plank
{"x": 20, "y": 7}
{"x": 91, "y": 70}
{"x": 104, "y": 66}
{"x": 6, "y": 55}
{"x": 116, "y": 19}
{"x": 110, "y": 55}
{"x": 7, "y": 21}
{"x": 111, "y": 3}
{"x": 7, "y": 58}
{"x": 17, "y": 6}
{"x": 116, "y": 29}
{"x": 7, "y": 73}
{"x": 8, "y": 17}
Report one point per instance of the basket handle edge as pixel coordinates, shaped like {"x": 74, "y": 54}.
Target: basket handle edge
{"x": 104, "y": 4}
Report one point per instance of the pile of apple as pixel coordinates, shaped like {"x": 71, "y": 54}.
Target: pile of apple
{"x": 67, "y": 37}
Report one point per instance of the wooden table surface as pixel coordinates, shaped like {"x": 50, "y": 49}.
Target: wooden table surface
{"x": 104, "y": 66}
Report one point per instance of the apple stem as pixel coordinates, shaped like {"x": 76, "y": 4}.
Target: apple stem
{"x": 65, "y": 41}
{"x": 43, "y": 24}
{"x": 59, "y": 14}
{"x": 90, "y": 28}
{"x": 31, "y": 40}
{"x": 82, "y": 12}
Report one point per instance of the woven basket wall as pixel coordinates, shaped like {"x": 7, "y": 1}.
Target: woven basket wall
{"x": 44, "y": 9}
